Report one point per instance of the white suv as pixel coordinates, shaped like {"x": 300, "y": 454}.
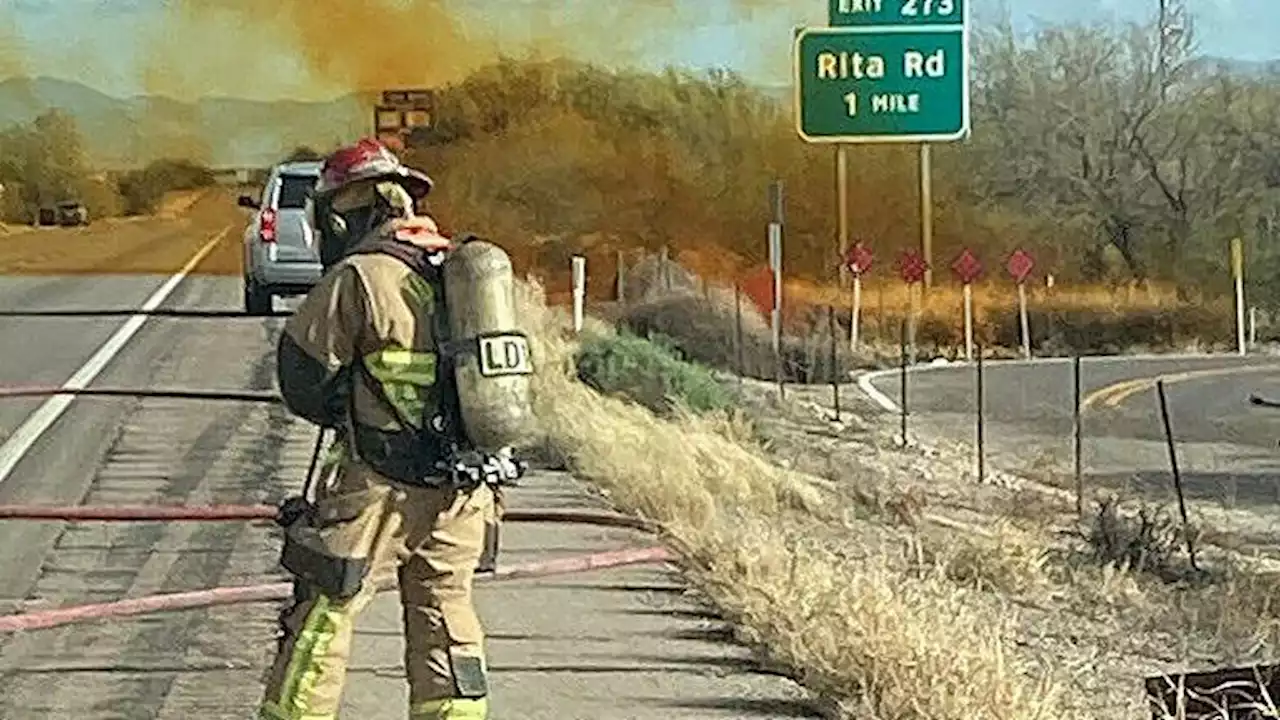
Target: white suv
{"x": 281, "y": 253}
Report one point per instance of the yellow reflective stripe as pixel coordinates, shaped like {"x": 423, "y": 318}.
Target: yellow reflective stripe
{"x": 451, "y": 709}
{"x": 419, "y": 292}
{"x": 318, "y": 630}
{"x": 336, "y": 453}
{"x": 404, "y": 374}
{"x": 401, "y": 365}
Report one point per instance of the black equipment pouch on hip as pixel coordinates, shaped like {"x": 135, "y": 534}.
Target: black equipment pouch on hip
{"x": 339, "y": 578}
{"x": 309, "y": 555}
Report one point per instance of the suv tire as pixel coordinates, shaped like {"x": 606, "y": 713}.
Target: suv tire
{"x": 257, "y": 300}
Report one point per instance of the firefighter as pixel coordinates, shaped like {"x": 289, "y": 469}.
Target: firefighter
{"x": 362, "y": 355}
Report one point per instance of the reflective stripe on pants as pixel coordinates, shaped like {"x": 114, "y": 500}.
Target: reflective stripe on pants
{"x": 431, "y": 538}
{"x": 452, "y": 709}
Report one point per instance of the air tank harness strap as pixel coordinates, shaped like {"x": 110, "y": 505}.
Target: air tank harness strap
{"x": 448, "y": 462}
{"x": 417, "y": 455}
{"x": 461, "y": 466}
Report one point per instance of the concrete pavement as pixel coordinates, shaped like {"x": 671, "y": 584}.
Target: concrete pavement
{"x": 613, "y": 644}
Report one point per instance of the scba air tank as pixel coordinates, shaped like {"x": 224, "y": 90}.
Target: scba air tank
{"x": 492, "y": 367}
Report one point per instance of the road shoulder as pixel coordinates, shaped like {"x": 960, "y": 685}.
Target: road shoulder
{"x": 607, "y": 644}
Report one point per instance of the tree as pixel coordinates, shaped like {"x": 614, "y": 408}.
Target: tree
{"x": 45, "y": 162}
{"x": 303, "y": 153}
{"x": 1125, "y": 132}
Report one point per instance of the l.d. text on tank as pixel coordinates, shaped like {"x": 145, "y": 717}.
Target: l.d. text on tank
{"x": 504, "y": 355}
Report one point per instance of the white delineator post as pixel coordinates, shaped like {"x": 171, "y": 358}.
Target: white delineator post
{"x": 579, "y": 291}
{"x": 855, "y": 314}
{"x": 968, "y": 322}
{"x": 1253, "y": 326}
{"x": 1237, "y": 271}
{"x": 775, "y": 263}
{"x": 1023, "y": 320}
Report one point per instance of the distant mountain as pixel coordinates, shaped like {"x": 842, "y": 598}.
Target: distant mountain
{"x": 128, "y": 132}
{"x": 121, "y": 133}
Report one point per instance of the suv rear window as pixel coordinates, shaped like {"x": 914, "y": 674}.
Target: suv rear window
{"x": 294, "y": 191}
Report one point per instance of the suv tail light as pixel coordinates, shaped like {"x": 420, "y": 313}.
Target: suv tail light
{"x": 267, "y": 226}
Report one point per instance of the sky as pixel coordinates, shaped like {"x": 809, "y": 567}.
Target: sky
{"x": 121, "y": 47}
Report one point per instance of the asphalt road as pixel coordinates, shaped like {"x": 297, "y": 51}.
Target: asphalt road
{"x": 1227, "y": 448}
{"x": 609, "y": 645}
{"x": 48, "y": 351}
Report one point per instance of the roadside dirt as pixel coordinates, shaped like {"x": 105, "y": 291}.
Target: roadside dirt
{"x": 159, "y": 244}
{"x": 1019, "y": 555}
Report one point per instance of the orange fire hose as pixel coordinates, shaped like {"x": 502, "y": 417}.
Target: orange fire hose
{"x": 213, "y": 597}
{"x": 253, "y": 396}
{"x": 211, "y": 513}
{"x": 132, "y": 312}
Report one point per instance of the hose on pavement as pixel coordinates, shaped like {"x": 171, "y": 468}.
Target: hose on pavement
{"x": 130, "y": 312}
{"x": 207, "y": 513}
{"x": 257, "y": 396}
{"x": 233, "y": 595}
{"x": 212, "y": 597}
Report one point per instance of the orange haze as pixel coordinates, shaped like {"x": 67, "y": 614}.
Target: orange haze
{"x": 344, "y": 45}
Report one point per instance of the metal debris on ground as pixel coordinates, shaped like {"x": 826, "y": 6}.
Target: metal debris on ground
{"x": 1234, "y": 693}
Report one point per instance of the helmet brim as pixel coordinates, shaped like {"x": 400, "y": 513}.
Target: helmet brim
{"x": 416, "y": 182}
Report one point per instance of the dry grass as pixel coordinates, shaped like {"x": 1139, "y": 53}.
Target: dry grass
{"x": 926, "y": 560}
{"x": 888, "y": 635}
{"x": 946, "y": 299}
{"x": 1063, "y": 320}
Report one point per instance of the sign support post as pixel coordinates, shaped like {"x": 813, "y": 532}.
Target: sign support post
{"x": 1020, "y": 266}
{"x": 855, "y": 314}
{"x": 842, "y": 197}
{"x": 858, "y": 261}
{"x": 775, "y": 264}
{"x": 968, "y": 322}
{"x": 1237, "y": 273}
{"x": 967, "y": 268}
{"x": 912, "y": 268}
{"x": 1023, "y": 321}
{"x": 926, "y": 211}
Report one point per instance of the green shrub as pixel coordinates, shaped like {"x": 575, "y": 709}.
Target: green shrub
{"x": 650, "y": 373}
{"x": 142, "y": 190}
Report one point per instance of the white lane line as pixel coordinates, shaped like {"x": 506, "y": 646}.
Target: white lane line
{"x": 38, "y": 423}
{"x": 866, "y": 383}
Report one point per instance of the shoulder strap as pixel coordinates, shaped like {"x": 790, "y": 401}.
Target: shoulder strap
{"x": 416, "y": 259}
{"x": 407, "y": 253}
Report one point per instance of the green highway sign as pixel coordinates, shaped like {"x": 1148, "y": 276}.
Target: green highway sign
{"x": 915, "y": 13}
{"x": 894, "y": 83}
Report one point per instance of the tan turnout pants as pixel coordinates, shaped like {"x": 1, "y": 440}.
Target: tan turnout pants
{"x": 432, "y": 539}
